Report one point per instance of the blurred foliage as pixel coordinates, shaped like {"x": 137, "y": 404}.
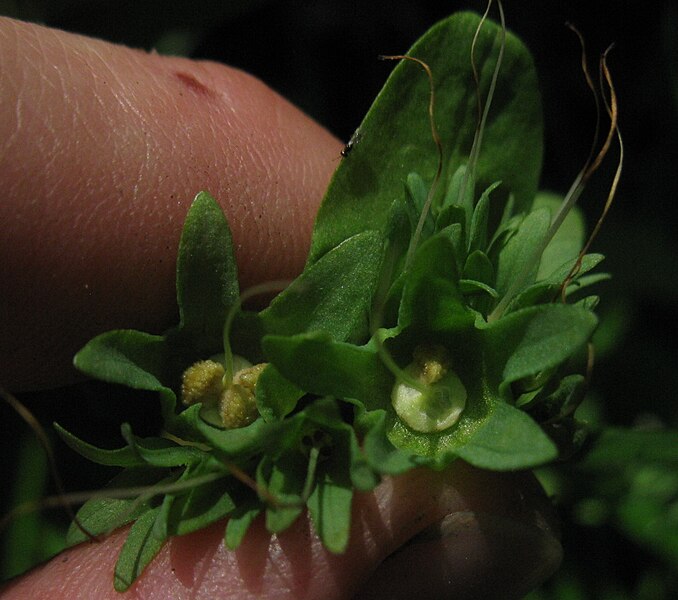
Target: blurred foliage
{"x": 620, "y": 515}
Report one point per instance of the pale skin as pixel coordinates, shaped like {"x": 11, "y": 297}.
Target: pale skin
{"x": 102, "y": 149}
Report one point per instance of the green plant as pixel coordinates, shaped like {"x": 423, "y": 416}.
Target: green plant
{"x": 428, "y": 324}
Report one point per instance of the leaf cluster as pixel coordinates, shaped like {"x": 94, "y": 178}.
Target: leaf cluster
{"x": 483, "y": 280}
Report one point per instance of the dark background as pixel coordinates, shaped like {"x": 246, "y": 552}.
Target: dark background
{"x": 322, "y": 55}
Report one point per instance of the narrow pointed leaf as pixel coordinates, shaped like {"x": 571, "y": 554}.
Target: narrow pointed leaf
{"x": 120, "y": 457}
{"x": 207, "y": 280}
{"x": 330, "y": 509}
{"x": 477, "y": 235}
{"x": 240, "y": 521}
{"x": 139, "y": 549}
{"x": 519, "y": 259}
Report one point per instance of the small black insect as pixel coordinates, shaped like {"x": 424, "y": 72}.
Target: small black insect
{"x": 355, "y": 138}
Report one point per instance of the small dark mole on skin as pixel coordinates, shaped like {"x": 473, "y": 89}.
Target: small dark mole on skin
{"x": 192, "y": 83}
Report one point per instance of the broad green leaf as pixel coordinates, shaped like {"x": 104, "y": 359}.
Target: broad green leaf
{"x": 519, "y": 259}
{"x": 276, "y": 396}
{"x": 139, "y": 549}
{"x": 126, "y": 357}
{"x": 431, "y": 299}
{"x": 568, "y": 240}
{"x": 120, "y": 457}
{"x": 330, "y": 508}
{"x": 533, "y": 339}
{"x": 396, "y": 135}
{"x": 508, "y": 440}
{"x": 332, "y": 295}
{"x": 207, "y": 280}
{"x": 321, "y": 366}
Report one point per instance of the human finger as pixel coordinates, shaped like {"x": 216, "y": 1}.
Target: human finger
{"x": 462, "y": 534}
{"x": 102, "y": 149}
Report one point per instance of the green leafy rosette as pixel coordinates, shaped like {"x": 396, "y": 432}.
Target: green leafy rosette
{"x": 439, "y": 317}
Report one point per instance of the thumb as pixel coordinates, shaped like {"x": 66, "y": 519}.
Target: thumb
{"x": 102, "y": 149}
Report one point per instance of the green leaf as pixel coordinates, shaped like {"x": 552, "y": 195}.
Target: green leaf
{"x": 276, "y": 396}
{"x": 479, "y": 268}
{"x": 284, "y": 480}
{"x": 477, "y": 235}
{"x": 508, "y": 440}
{"x": 395, "y": 134}
{"x": 242, "y": 442}
{"x": 321, "y": 366}
{"x": 330, "y": 508}
{"x": 533, "y": 339}
{"x": 120, "y": 457}
{"x": 548, "y": 289}
{"x": 471, "y": 286}
{"x": 364, "y": 476}
{"x": 417, "y": 192}
{"x": 203, "y": 506}
{"x": 239, "y": 522}
{"x": 207, "y": 279}
{"x": 457, "y": 205}
{"x": 381, "y": 454}
{"x": 333, "y": 295}
{"x": 568, "y": 239}
{"x": 431, "y": 299}
{"x": 100, "y": 516}
{"x": 160, "y": 452}
{"x": 140, "y": 547}
{"x": 519, "y": 259}
{"x": 126, "y": 357}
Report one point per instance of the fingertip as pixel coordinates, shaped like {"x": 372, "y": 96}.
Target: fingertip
{"x": 102, "y": 155}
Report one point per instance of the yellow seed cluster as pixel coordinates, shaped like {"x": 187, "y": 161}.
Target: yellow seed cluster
{"x": 202, "y": 382}
{"x": 237, "y": 405}
{"x": 235, "y": 402}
